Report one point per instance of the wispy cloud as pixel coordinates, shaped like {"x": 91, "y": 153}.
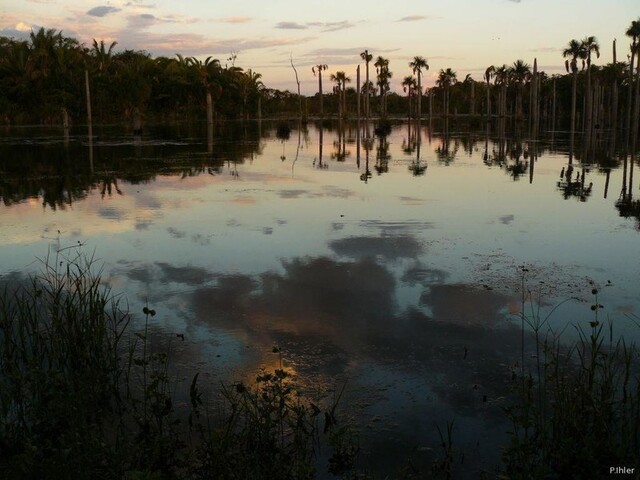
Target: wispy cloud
{"x": 414, "y": 18}
{"x": 335, "y": 26}
{"x": 238, "y": 19}
{"x": 324, "y": 26}
{"x": 102, "y": 11}
{"x": 140, "y": 4}
{"x": 291, "y": 26}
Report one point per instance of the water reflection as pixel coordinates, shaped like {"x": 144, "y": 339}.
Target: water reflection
{"x": 402, "y": 280}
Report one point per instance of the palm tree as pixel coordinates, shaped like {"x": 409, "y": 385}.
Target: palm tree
{"x": 520, "y": 73}
{"x": 588, "y": 45}
{"x": 488, "y": 73}
{"x": 409, "y": 85}
{"x": 382, "y": 69}
{"x": 634, "y": 32}
{"x": 206, "y": 71}
{"x": 367, "y": 57}
{"x": 502, "y": 79}
{"x": 102, "y": 55}
{"x": 574, "y": 51}
{"x": 417, "y": 65}
{"x": 472, "y": 93}
{"x": 319, "y": 68}
{"x": 446, "y": 78}
{"x": 341, "y": 80}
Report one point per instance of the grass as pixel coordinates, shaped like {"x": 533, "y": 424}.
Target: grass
{"x": 575, "y": 411}
{"x": 83, "y": 395}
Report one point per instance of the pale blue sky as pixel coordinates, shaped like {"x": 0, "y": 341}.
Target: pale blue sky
{"x": 465, "y": 35}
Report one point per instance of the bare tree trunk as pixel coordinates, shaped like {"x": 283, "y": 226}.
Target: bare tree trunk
{"x": 419, "y": 96}
{"x": 88, "y": 91}
{"x": 209, "y": 108}
{"x": 534, "y": 100}
{"x": 636, "y": 111}
{"x": 298, "y": 83}
{"x": 488, "y": 101}
{"x": 553, "y": 108}
{"x": 472, "y": 110}
{"x": 320, "y": 91}
{"x": 573, "y": 115}
{"x": 630, "y": 96}
{"x": 358, "y": 96}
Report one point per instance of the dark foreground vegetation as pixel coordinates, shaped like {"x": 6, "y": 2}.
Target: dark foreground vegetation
{"x": 84, "y": 394}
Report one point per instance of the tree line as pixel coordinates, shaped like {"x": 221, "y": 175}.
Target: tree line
{"x": 44, "y": 80}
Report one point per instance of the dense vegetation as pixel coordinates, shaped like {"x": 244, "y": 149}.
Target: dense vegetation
{"x": 45, "y": 81}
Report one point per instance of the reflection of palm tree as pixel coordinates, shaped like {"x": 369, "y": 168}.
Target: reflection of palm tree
{"x": 575, "y": 188}
{"x": 417, "y": 65}
{"x": 341, "y": 146}
{"x": 382, "y": 155}
{"x": 444, "y": 152}
{"x": 319, "y": 68}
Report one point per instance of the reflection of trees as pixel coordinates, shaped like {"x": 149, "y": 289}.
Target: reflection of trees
{"x": 340, "y": 145}
{"x": 517, "y": 164}
{"x": 382, "y": 155}
{"x": 444, "y": 152}
{"x": 367, "y": 145}
{"x": 574, "y": 188}
{"x": 629, "y": 208}
{"x": 59, "y": 175}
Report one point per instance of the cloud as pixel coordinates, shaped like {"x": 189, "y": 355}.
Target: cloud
{"x": 399, "y": 246}
{"x": 335, "y": 26}
{"x": 324, "y": 26}
{"x": 239, "y": 19}
{"x": 413, "y": 18}
{"x": 20, "y": 31}
{"x": 291, "y": 26}
{"x": 23, "y": 27}
{"x": 138, "y": 3}
{"x": 102, "y": 11}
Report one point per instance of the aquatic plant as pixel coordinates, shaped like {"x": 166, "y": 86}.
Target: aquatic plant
{"x": 576, "y": 410}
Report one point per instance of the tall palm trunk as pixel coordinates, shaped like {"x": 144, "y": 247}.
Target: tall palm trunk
{"x": 210, "y": 108}
{"x": 419, "y": 95}
{"x": 574, "y": 84}
{"x": 88, "y": 91}
{"x": 320, "y": 92}
{"x": 588, "y": 103}
{"x": 472, "y": 109}
{"x": 636, "y": 110}
{"x": 630, "y": 96}
{"x": 488, "y": 101}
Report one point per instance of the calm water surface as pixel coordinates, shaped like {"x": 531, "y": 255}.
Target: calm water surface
{"x": 391, "y": 264}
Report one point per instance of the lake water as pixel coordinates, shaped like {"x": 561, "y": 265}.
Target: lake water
{"x": 391, "y": 265}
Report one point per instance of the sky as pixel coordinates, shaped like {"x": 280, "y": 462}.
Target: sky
{"x": 464, "y": 35}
